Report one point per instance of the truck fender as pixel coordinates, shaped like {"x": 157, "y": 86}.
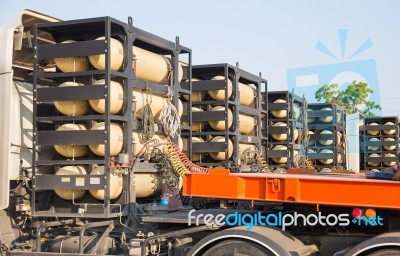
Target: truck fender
{"x": 390, "y": 239}
{"x": 274, "y": 240}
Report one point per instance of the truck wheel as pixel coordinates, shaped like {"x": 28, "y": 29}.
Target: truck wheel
{"x": 385, "y": 252}
{"x": 236, "y": 248}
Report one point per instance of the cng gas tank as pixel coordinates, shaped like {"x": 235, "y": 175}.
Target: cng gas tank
{"x": 116, "y": 184}
{"x": 116, "y": 98}
{"x": 116, "y": 140}
{"x": 116, "y": 56}
{"x": 72, "y": 150}
{"x": 154, "y": 67}
{"x": 72, "y": 107}
{"x": 72, "y": 64}
{"x": 69, "y": 194}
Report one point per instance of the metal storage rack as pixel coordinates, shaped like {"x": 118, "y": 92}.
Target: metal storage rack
{"x": 368, "y": 146}
{"x": 205, "y": 73}
{"x": 46, "y": 118}
{"x": 296, "y": 147}
{"x": 337, "y": 126}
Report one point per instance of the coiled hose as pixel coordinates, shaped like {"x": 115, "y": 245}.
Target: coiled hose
{"x": 175, "y": 161}
{"x": 309, "y": 163}
{"x": 262, "y": 163}
{"x": 180, "y": 162}
{"x": 181, "y": 165}
{"x": 189, "y": 164}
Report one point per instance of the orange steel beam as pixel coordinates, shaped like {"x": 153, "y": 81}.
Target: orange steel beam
{"x": 338, "y": 190}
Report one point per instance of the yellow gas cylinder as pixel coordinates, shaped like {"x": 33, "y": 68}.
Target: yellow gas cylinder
{"x": 220, "y": 125}
{"x": 373, "y": 148}
{"x": 326, "y": 142}
{"x": 389, "y": 132}
{"x": 153, "y": 67}
{"x": 157, "y": 103}
{"x": 251, "y": 149}
{"x": 71, "y": 150}
{"x": 328, "y": 118}
{"x": 279, "y": 136}
{"x": 197, "y": 96}
{"x": 196, "y": 157}
{"x": 279, "y": 113}
{"x": 329, "y": 160}
{"x": 116, "y": 98}
{"x": 72, "y": 107}
{"x": 247, "y": 124}
{"x": 196, "y": 126}
{"x": 283, "y": 136}
{"x": 220, "y": 94}
{"x": 311, "y": 151}
{"x": 310, "y": 119}
{"x": 160, "y": 139}
{"x": 392, "y": 162}
{"x": 295, "y": 134}
{"x": 280, "y": 160}
{"x": 220, "y": 156}
{"x": 116, "y": 140}
{"x": 389, "y": 148}
{"x": 373, "y": 163}
{"x": 69, "y": 194}
{"x": 372, "y": 132}
{"x": 72, "y": 64}
{"x": 148, "y": 184}
{"x": 246, "y": 94}
{"x": 296, "y": 112}
{"x": 180, "y": 108}
{"x": 116, "y": 56}
{"x": 116, "y": 184}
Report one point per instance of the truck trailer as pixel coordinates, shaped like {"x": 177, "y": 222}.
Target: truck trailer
{"x": 95, "y": 159}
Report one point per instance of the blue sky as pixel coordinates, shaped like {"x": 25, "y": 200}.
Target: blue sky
{"x": 263, "y": 36}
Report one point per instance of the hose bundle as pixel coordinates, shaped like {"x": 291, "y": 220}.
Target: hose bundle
{"x": 175, "y": 161}
{"x": 189, "y": 164}
{"x": 309, "y": 163}
{"x": 262, "y": 163}
{"x": 171, "y": 177}
{"x": 180, "y": 162}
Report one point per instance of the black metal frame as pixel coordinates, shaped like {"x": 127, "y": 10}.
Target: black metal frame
{"x": 336, "y": 126}
{"x": 46, "y": 119}
{"x": 205, "y": 73}
{"x": 292, "y": 124}
{"x": 365, "y": 143}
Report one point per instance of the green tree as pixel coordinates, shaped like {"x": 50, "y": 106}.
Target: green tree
{"x": 353, "y": 98}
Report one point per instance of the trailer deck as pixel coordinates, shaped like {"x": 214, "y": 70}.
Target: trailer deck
{"x": 319, "y": 189}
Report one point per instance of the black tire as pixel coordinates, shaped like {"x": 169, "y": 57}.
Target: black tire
{"x": 385, "y": 252}
{"x": 236, "y": 248}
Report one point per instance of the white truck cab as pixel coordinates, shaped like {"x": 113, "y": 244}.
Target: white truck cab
{"x": 16, "y": 65}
